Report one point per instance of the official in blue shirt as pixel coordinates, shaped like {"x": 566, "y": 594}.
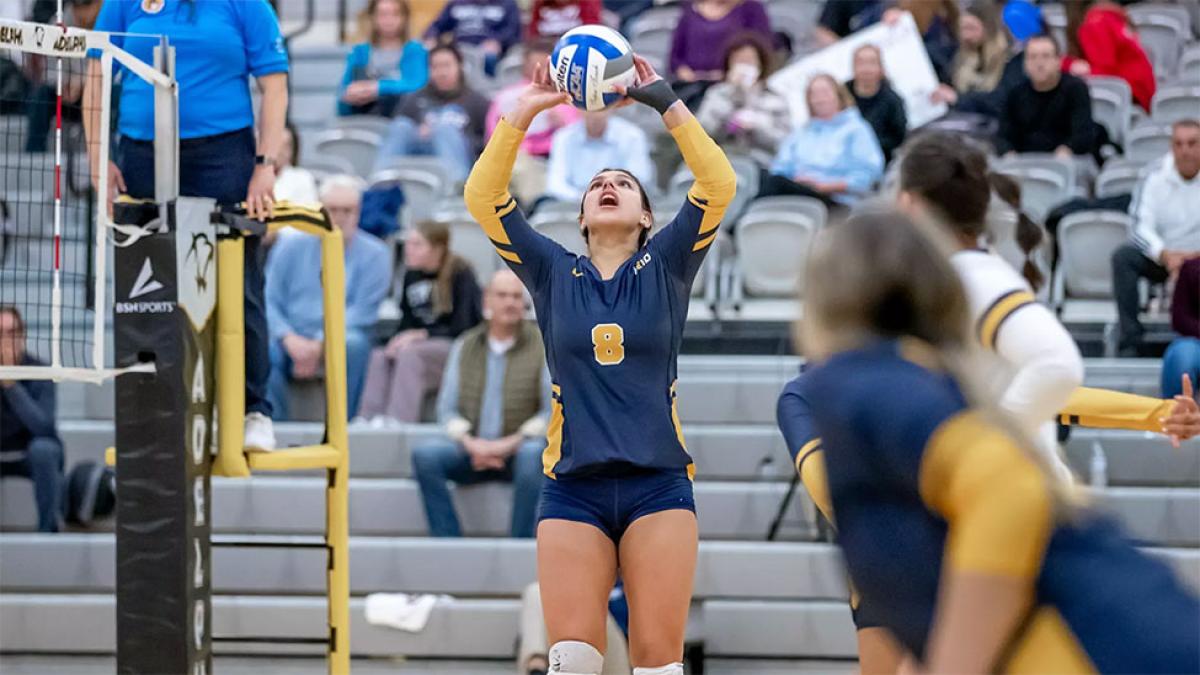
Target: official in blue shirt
{"x": 219, "y": 45}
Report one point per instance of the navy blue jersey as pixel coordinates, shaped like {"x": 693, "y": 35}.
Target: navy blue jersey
{"x": 923, "y": 483}
{"x": 611, "y": 345}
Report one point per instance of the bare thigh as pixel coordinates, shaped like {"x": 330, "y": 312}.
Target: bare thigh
{"x": 878, "y": 653}
{"x": 577, "y": 567}
{"x": 658, "y": 565}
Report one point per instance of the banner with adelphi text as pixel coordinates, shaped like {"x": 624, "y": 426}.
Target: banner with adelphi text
{"x": 163, "y": 312}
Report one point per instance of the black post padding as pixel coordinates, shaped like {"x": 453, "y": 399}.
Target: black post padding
{"x": 164, "y": 612}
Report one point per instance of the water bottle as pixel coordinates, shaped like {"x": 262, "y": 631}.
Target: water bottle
{"x": 1099, "y": 466}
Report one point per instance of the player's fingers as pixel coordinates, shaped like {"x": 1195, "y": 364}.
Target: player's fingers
{"x": 1187, "y": 386}
{"x": 120, "y": 180}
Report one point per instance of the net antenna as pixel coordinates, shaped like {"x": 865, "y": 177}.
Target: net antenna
{"x": 47, "y": 194}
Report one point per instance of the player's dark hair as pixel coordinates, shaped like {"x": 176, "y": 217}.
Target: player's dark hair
{"x": 1029, "y": 234}
{"x": 16, "y": 314}
{"x": 951, "y": 175}
{"x": 644, "y": 235}
{"x": 438, "y": 235}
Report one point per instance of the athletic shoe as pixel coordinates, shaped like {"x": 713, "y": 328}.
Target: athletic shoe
{"x": 260, "y": 433}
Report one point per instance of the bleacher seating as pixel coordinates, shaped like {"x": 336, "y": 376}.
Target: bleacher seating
{"x": 1112, "y": 101}
{"x": 425, "y": 181}
{"x": 356, "y": 146}
{"x": 1176, "y": 102}
{"x": 1119, "y": 176}
{"x": 773, "y": 240}
{"x": 1046, "y": 181}
{"x": 1163, "y": 28}
{"x": 1086, "y": 241}
{"x": 1148, "y": 140}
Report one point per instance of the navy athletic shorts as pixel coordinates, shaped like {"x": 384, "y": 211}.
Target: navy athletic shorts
{"x": 613, "y": 499}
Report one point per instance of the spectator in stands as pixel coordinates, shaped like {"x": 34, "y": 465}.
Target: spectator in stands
{"x": 1101, "y": 40}
{"x": 1183, "y": 354}
{"x": 294, "y": 184}
{"x": 740, "y": 113}
{"x": 385, "y": 67}
{"x": 599, "y": 141}
{"x": 439, "y": 300}
{"x": 983, "y": 52}
{"x": 444, "y": 119}
{"x": 834, "y": 157}
{"x": 295, "y": 306}
{"x": 29, "y": 442}
{"x": 937, "y": 21}
{"x": 698, "y": 44}
{"x": 493, "y": 408}
{"x": 492, "y": 26}
{"x": 552, "y": 18}
{"x": 1166, "y": 232}
{"x": 220, "y": 156}
{"x": 529, "y": 172}
{"x": 840, "y": 18}
{"x": 877, "y": 102}
{"x": 40, "y": 109}
{"x": 1049, "y": 112}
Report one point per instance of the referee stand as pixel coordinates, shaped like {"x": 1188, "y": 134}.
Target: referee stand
{"x": 166, "y": 300}
{"x": 332, "y": 454}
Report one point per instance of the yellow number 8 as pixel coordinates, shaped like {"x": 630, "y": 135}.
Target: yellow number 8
{"x": 609, "y": 342}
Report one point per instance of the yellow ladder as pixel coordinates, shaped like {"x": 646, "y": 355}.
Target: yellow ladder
{"x": 333, "y": 454}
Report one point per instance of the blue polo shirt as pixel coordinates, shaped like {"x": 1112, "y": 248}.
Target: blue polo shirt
{"x": 218, "y": 44}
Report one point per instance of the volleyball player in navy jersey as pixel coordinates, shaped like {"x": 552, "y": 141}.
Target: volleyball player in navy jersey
{"x": 973, "y": 555}
{"x": 620, "y": 493}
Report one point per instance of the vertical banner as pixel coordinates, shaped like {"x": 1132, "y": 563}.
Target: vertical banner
{"x": 163, "y": 311}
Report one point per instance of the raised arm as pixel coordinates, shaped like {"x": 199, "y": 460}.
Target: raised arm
{"x": 528, "y": 253}
{"x": 684, "y": 241}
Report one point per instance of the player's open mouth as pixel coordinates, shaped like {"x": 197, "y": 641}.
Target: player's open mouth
{"x": 609, "y": 199}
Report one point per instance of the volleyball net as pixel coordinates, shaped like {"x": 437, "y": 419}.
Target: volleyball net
{"x": 55, "y": 229}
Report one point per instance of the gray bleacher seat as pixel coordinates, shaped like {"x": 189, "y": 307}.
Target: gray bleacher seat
{"x": 565, "y": 231}
{"x": 322, "y": 72}
{"x": 797, "y": 19}
{"x": 425, "y": 181}
{"x": 371, "y": 123}
{"x": 747, "y": 171}
{"x": 312, "y": 108}
{"x": 468, "y": 240}
{"x": 1046, "y": 181}
{"x": 773, "y": 247}
{"x": 651, "y": 32}
{"x": 1086, "y": 241}
{"x": 1189, "y": 64}
{"x": 1112, "y": 101}
{"x": 356, "y": 146}
{"x": 1119, "y": 176}
{"x": 1148, "y": 140}
{"x": 1162, "y": 29}
{"x": 1176, "y": 102}
{"x": 323, "y": 166}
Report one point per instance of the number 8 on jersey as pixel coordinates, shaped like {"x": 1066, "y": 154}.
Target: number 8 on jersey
{"x": 609, "y": 342}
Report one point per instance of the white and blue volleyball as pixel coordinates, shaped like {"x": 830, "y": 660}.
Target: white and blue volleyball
{"x": 588, "y": 61}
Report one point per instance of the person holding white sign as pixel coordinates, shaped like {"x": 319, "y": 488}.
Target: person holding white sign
{"x": 834, "y": 157}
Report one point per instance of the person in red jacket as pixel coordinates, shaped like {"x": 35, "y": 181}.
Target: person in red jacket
{"x": 552, "y": 18}
{"x": 1101, "y": 40}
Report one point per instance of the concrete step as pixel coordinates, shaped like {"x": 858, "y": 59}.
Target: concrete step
{"x": 721, "y": 451}
{"x": 727, "y": 510}
{"x": 85, "y": 563}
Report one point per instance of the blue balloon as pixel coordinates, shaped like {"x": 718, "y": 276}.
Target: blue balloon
{"x": 1024, "y": 20}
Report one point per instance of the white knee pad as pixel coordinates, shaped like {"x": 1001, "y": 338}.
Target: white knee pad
{"x": 669, "y": 669}
{"x": 571, "y": 657}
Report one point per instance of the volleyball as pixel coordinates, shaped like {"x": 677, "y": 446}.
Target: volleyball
{"x": 588, "y": 61}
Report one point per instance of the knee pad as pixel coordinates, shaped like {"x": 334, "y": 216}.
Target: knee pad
{"x": 669, "y": 669}
{"x": 571, "y": 657}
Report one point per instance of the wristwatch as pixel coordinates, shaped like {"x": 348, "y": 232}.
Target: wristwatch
{"x": 263, "y": 160}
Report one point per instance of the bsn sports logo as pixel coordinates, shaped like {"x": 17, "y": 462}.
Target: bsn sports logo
{"x": 144, "y": 285}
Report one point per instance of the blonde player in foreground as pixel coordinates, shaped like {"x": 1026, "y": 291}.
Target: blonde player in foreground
{"x": 973, "y": 555}
{"x": 1034, "y": 367}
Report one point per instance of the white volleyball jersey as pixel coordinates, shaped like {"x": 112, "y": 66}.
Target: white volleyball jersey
{"x": 1037, "y": 363}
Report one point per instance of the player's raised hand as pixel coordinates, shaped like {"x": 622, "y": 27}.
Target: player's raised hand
{"x": 1184, "y": 421}
{"x": 538, "y": 96}
{"x": 649, "y": 88}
